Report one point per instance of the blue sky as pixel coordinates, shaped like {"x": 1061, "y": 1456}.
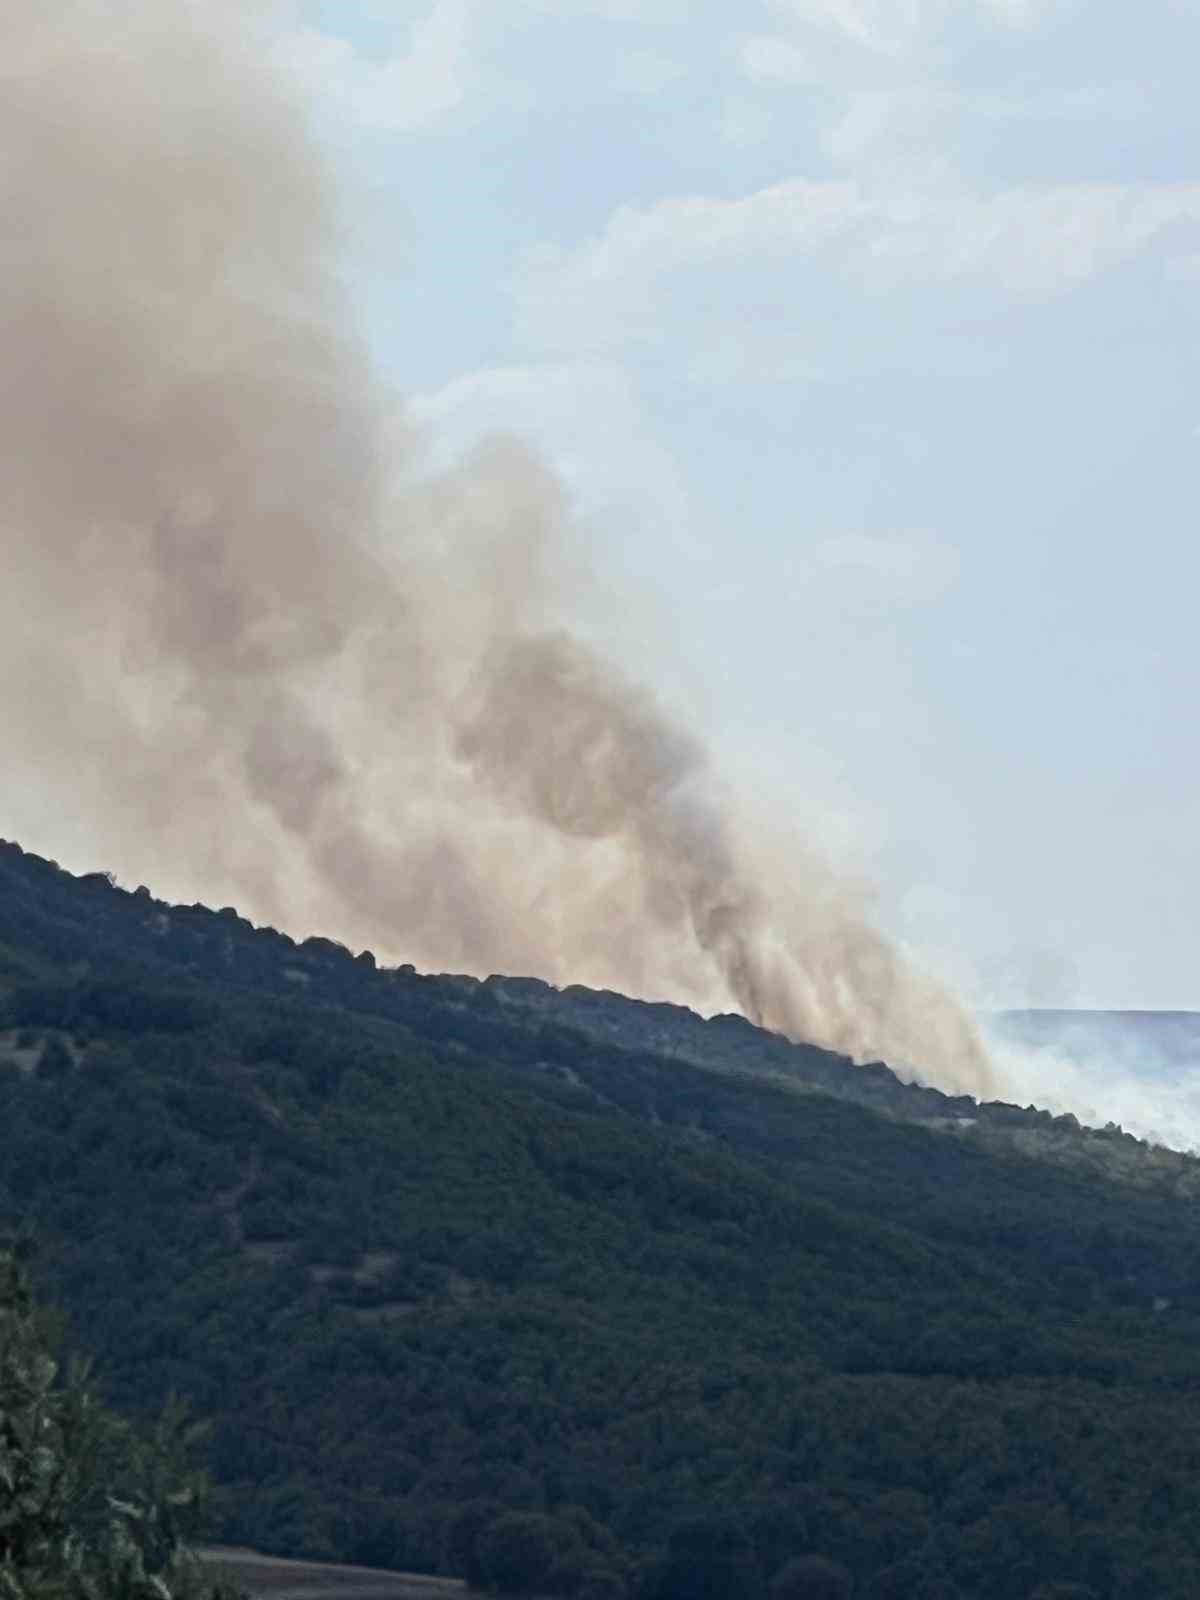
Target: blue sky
{"x": 864, "y": 334}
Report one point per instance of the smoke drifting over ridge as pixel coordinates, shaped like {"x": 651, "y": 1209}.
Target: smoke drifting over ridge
{"x": 263, "y": 650}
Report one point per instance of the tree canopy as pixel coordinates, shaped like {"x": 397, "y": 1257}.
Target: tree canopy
{"x": 427, "y": 1257}
{"x": 90, "y": 1509}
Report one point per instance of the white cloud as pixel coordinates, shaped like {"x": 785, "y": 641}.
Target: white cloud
{"x": 1022, "y": 242}
{"x": 440, "y": 57}
{"x": 607, "y": 290}
{"x": 893, "y": 26}
{"x": 1031, "y": 239}
{"x": 745, "y": 122}
{"x": 647, "y": 72}
{"x": 846, "y": 45}
{"x": 1021, "y": 13}
{"x": 885, "y": 574}
{"x": 632, "y": 11}
{"x": 892, "y": 127}
{"x": 415, "y": 90}
{"x": 769, "y": 57}
{"x": 866, "y": 23}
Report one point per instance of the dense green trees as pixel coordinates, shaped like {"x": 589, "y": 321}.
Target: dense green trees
{"x": 512, "y": 1552}
{"x": 517, "y": 1552}
{"x": 430, "y": 1264}
{"x": 707, "y": 1558}
{"x": 812, "y": 1578}
{"x": 913, "y": 1578}
{"x": 89, "y": 1509}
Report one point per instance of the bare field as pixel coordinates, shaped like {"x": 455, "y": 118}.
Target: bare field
{"x": 273, "y": 1578}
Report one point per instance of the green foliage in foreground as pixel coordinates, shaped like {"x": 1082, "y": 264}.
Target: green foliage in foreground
{"x": 461, "y": 1291}
{"x": 89, "y": 1508}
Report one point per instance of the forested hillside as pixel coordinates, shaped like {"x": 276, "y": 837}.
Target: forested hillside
{"x": 429, "y": 1252}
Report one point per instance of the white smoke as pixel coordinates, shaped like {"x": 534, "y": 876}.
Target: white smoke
{"x": 252, "y": 646}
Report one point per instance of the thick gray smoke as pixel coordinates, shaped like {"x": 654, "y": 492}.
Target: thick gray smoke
{"x": 252, "y": 650}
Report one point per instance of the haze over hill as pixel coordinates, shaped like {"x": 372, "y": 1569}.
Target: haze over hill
{"x": 1138, "y": 1068}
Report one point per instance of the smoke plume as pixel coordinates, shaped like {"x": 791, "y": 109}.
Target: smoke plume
{"x": 253, "y": 647}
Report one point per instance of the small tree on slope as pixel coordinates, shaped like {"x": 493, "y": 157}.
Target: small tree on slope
{"x": 88, "y": 1509}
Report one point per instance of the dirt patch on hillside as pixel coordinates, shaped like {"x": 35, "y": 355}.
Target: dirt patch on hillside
{"x": 275, "y": 1579}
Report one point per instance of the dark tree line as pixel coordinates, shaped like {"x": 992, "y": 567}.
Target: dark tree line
{"x": 463, "y": 1290}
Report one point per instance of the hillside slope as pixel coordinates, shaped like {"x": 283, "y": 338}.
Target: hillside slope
{"x": 88, "y": 919}
{"x": 271, "y": 1578}
{"x": 416, "y": 1244}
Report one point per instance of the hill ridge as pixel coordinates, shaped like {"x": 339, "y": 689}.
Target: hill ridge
{"x": 424, "y": 1250}
{"x": 196, "y": 941}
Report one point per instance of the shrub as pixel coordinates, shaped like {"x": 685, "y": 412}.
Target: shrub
{"x": 88, "y": 1509}
{"x": 517, "y": 1552}
{"x": 811, "y": 1578}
